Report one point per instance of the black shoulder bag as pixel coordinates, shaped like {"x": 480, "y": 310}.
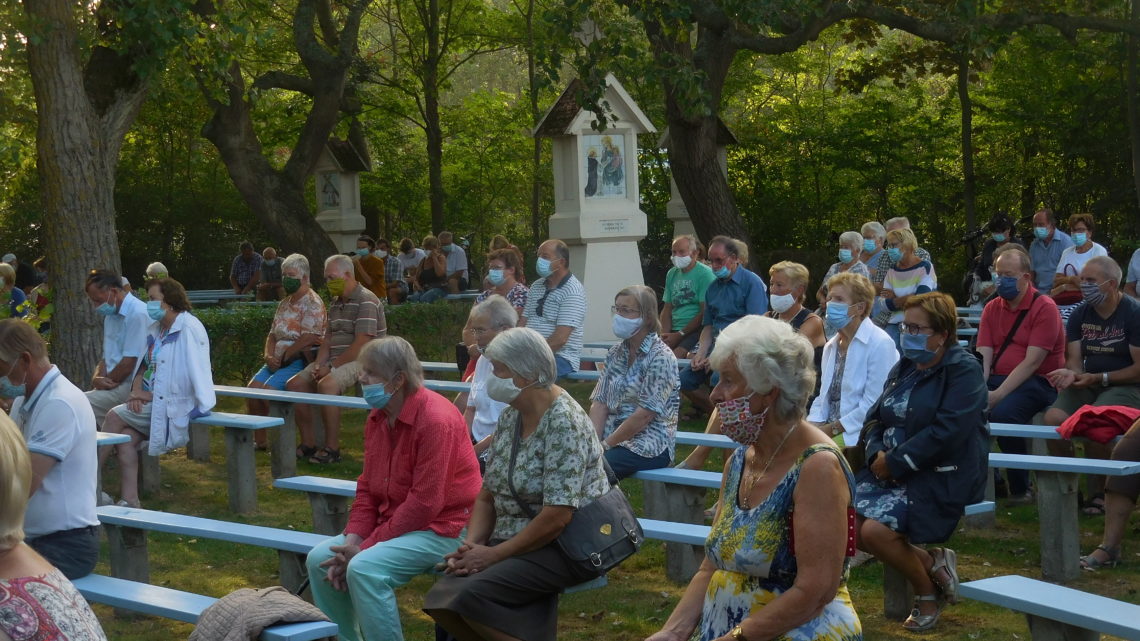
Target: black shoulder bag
{"x": 1012, "y": 331}
{"x": 602, "y": 533}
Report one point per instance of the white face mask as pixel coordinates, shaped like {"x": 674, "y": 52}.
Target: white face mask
{"x": 681, "y": 262}
{"x": 504, "y": 390}
{"x": 380, "y": 253}
{"x": 782, "y": 302}
{"x": 625, "y": 327}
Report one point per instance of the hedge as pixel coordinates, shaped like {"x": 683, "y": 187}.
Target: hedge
{"x": 237, "y": 334}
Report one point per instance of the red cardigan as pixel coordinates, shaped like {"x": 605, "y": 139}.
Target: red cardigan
{"x": 420, "y": 472}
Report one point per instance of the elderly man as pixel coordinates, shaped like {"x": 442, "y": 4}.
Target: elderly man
{"x": 1102, "y": 357}
{"x": 456, "y": 263}
{"x": 245, "y": 271}
{"x": 736, "y": 292}
{"x": 125, "y": 327}
{"x": 354, "y": 318}
{"x": 269, "y": 286}
{"x": 1021, "y": 340}
{"x": 685, "y": 287}
{"x": 1046, "y": 249}
{"x": 556, "y": 306}
{"x": 59, "y": 427}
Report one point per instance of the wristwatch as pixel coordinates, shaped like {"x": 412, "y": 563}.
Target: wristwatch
{"x": 737, "y": 633}
{"x": 1104, "y": 379}
{"x": 836, "y": 428}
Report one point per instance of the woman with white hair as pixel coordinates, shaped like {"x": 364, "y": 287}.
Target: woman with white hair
{"x": 297, "y": 328}
{"x": 635, "y": 403}
{"x": 874, "y": 237}
{"x": 412, "y": 499}
{"x": 850, "y": 248}
{"x": 156, "y": 270}
{"x": 34, "y": 595}
{"x": 765, "y": 576}
{"x": 546, "y": 461}
{"x": 487, "y": 319}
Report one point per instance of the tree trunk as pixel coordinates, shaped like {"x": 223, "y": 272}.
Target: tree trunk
{"x": 969, "y": 184}
{"x": 536, "y": 180}
{"x": 1133, "y": 96}
{"x": 79, "y": 135}
{"x": 432, "y": 126}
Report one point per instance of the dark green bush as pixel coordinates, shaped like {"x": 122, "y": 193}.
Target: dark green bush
{"x": 237, "y": 334}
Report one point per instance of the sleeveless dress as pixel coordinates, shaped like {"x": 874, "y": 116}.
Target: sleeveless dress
{"x": 751, "y": 550}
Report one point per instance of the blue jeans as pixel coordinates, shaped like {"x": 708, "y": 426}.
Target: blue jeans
{"x": 563, "y": 366}
{"x": 892, "y": 330}
{"x": 1019, "y": 407}
{"x": 626, "y": 463}
{"x": 429, "y": 295}
{"x": 692, "y": 379}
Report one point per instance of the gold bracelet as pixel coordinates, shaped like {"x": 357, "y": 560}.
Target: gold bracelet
{"x": 737, "y": 633}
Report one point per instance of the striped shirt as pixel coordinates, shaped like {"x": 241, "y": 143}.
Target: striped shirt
{"x": 357, "y": 313}
{"x": 912, "y": 280}
{"x": 565, "y": 306}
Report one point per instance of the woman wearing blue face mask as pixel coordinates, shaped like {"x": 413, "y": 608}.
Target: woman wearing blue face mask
{"x": 926, "y": 450}
{"x": 850, "y": 244}
{"x": 1002, "y": 234}
{"x": 413, "y": 498}
{"x": 635, "y": 403}
{"x": 910, "y": 275}
{"x": 1067, "y": 283}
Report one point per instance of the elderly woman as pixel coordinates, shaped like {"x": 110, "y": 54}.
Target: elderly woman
{"x": 926, "y": 451}
{"x": 910, "y": 275}
{"x": 765, "y": 577}
{"x": 850, "y": 248}
{"x": 412, "y": 499}
{"x": 874, "y": 236}
{"x": 546, "y": 461}
{"x": 13, "y": 301}
{"x": 788, "y": 286}
{"x": 506, "y": 277}
{"x": 298, "y": 326}
{"x": 173, "y": 386}
{"x": 156, "y": 270}
{"x": 635, "y": 403}
{"x": 856, "y": 361}
{"x": 35, "y": 597}
{"x": 1067, "y": 282}
{"x": 487, "y": 320}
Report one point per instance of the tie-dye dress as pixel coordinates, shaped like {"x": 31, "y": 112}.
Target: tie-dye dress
{"x": 752, "y": 551}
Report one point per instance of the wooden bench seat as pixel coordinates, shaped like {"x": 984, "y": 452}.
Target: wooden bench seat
{"x": 1056, "y": 612}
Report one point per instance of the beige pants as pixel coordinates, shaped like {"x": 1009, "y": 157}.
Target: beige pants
{"x": 102, "y": 400}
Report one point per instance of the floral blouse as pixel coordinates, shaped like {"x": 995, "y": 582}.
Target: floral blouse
{"x": 559, "y": 464}
{"x": 46, "y": 608}
{"x": 651, "y": 382}
{"x": 294, "y": 319}
{"x": 516, "y": 296}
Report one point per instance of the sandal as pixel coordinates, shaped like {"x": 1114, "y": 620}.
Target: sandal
{"x": 918, "y": 622}
{"x": 325, "y": 456}
{"x": 1094, "y": 507}
{"x": 1092, "y": 564}
{"x": 305, "y": 453}
{"x": 945, "y": 559}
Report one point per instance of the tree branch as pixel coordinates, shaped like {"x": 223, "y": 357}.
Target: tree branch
{"x": 286, "y": 81}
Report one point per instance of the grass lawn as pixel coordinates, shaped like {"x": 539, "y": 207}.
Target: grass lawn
{"x": 638, "y": 598}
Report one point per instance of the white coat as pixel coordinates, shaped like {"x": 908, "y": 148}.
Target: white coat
{"x": 183, "y": 386}
{"x": 870, "y": 357}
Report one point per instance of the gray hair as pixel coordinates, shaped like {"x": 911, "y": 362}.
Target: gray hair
{"x": 770, "y": 354}
{"x": 647, "y": 302}
{"x": 445, "y": 237}
{"x": 1023, "y": 261}
{"x": 525, "y": 352}
{"x": 497, "y": 310}
{"x": 1108, "y": 267}
{"x": 853, "y": 240}
{"x": 341, "y": 261}
{"x": 388, "y": 356}
{"x": 298, "y": 262}
{"x": 874, "y": 228}
{"x": 155, "y": 268}
{"x": 732, "y": 247}
{"x": 694, "y": 244}
{"x": 898, "y": 222}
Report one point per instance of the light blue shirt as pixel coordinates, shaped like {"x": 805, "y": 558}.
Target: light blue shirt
{"x": 1044, "y": 258}
{"x": 124, "y": 334}
{"x": 728, "y": 299}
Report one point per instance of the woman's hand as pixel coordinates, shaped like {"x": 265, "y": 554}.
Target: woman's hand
{"x": 471, "y": 558}
{"x": 337, "y": 566}
{"x": 137, "y": 399}
{"x": 272, "y": 362}
{"x": 879, "y": 467}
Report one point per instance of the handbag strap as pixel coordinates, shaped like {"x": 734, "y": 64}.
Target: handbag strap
{"x": 610, "y": 476}
{"x": 1013, "y": 330}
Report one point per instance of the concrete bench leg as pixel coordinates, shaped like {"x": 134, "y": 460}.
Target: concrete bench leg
{"x": 150, "y": 474}
{"x": 898, "y": 595}
{"x": 330, "y": 513}
{"x": 291, "y": 570}
{"x": 1060, "y": 538}
{"x": 283, "y": 442}
{"x": 679, "y": 504}
{"x": 1041, "y": 629}
{"x": 241, "y": 470}
{"x": 984, "y": 520}
{"x": 198, "y": 448}
{"x": 129, "y": 557}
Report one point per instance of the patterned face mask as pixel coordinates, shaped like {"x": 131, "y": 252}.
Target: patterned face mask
{"x": 738, "y": 422}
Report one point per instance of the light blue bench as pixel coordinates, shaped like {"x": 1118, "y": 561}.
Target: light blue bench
{"x": 182, "y": 606}
{"x": 241, "y": 470}
{"x": 1055, "y": 612}
{"x": 110, "y": 438}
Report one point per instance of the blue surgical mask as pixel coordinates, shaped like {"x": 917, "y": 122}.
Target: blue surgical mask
{"x": 362, "y": 251}
{"x": 542, "y": 266}
{"x": 914, "y": 348}
{"x": 8, "y": 390}
{"x": 722, "y": 272}
{"x": 446, "y": 249}
{"x": 844, "y": 255}
{"x": 837, "y": 315}
{"x": 1080, "y": 238}
{"x": 1007, "y": 287}
{"x": 1041, "y": 232}
{"x": 106, "y": 309}
{"x": 154, "y": 310}
{"x": 375, "y": 395}
{"x": 495, "y": 276}
{"x": 894, "y": 253}
{"x": 869, "y": 245}
{"x": 999, "y": 238}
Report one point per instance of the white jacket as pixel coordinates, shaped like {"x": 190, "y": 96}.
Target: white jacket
{"x": 870, "y": 357}
{"x": 183, "y": 386}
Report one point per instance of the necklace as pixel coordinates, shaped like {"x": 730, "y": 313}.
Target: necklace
{"x": 752, "y": 485}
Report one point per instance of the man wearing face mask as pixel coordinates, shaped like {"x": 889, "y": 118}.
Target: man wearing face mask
{"x": 125, "y": 324}
{"x": 456, "y": 263}
{"x": 556, "y": 306}
{"x": 59, "y": 427}
{"x": 685, "y": 287}
{"x": 269, "y": 287}
{"x": 1046, "y": 249}
{"x": 354, "y": 318}
{"x": 1021, "y": 340}
{"x": 1001, "y": 235}
{"x": 369, "y": 268}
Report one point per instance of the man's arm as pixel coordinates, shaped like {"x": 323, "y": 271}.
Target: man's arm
{"x": 123, "y": 370}
{"x": 694, "y": 325}
{"x": 42, "y": 465}
{"x": 558, "y": 339}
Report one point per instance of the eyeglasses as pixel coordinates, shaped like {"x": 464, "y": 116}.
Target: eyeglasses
{"x": 624, "y": 310}
{"x": 914, "y": 330}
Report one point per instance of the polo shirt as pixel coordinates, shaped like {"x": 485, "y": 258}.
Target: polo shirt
{"x": 57, "y": 422}
{"x": 1045, "y": 256}
{"x": 685, "y": 291}
{"x": 457, "y": 261}
{"x": 1041, "y": 328}
{"x": 564, "y": 306}
{"x": 729, "y": 299}
{"x": 125, "y": 332}
{"x": 356, "y": 313}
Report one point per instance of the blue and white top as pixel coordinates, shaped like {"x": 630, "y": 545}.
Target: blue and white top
{"x": 651, "y": 382}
